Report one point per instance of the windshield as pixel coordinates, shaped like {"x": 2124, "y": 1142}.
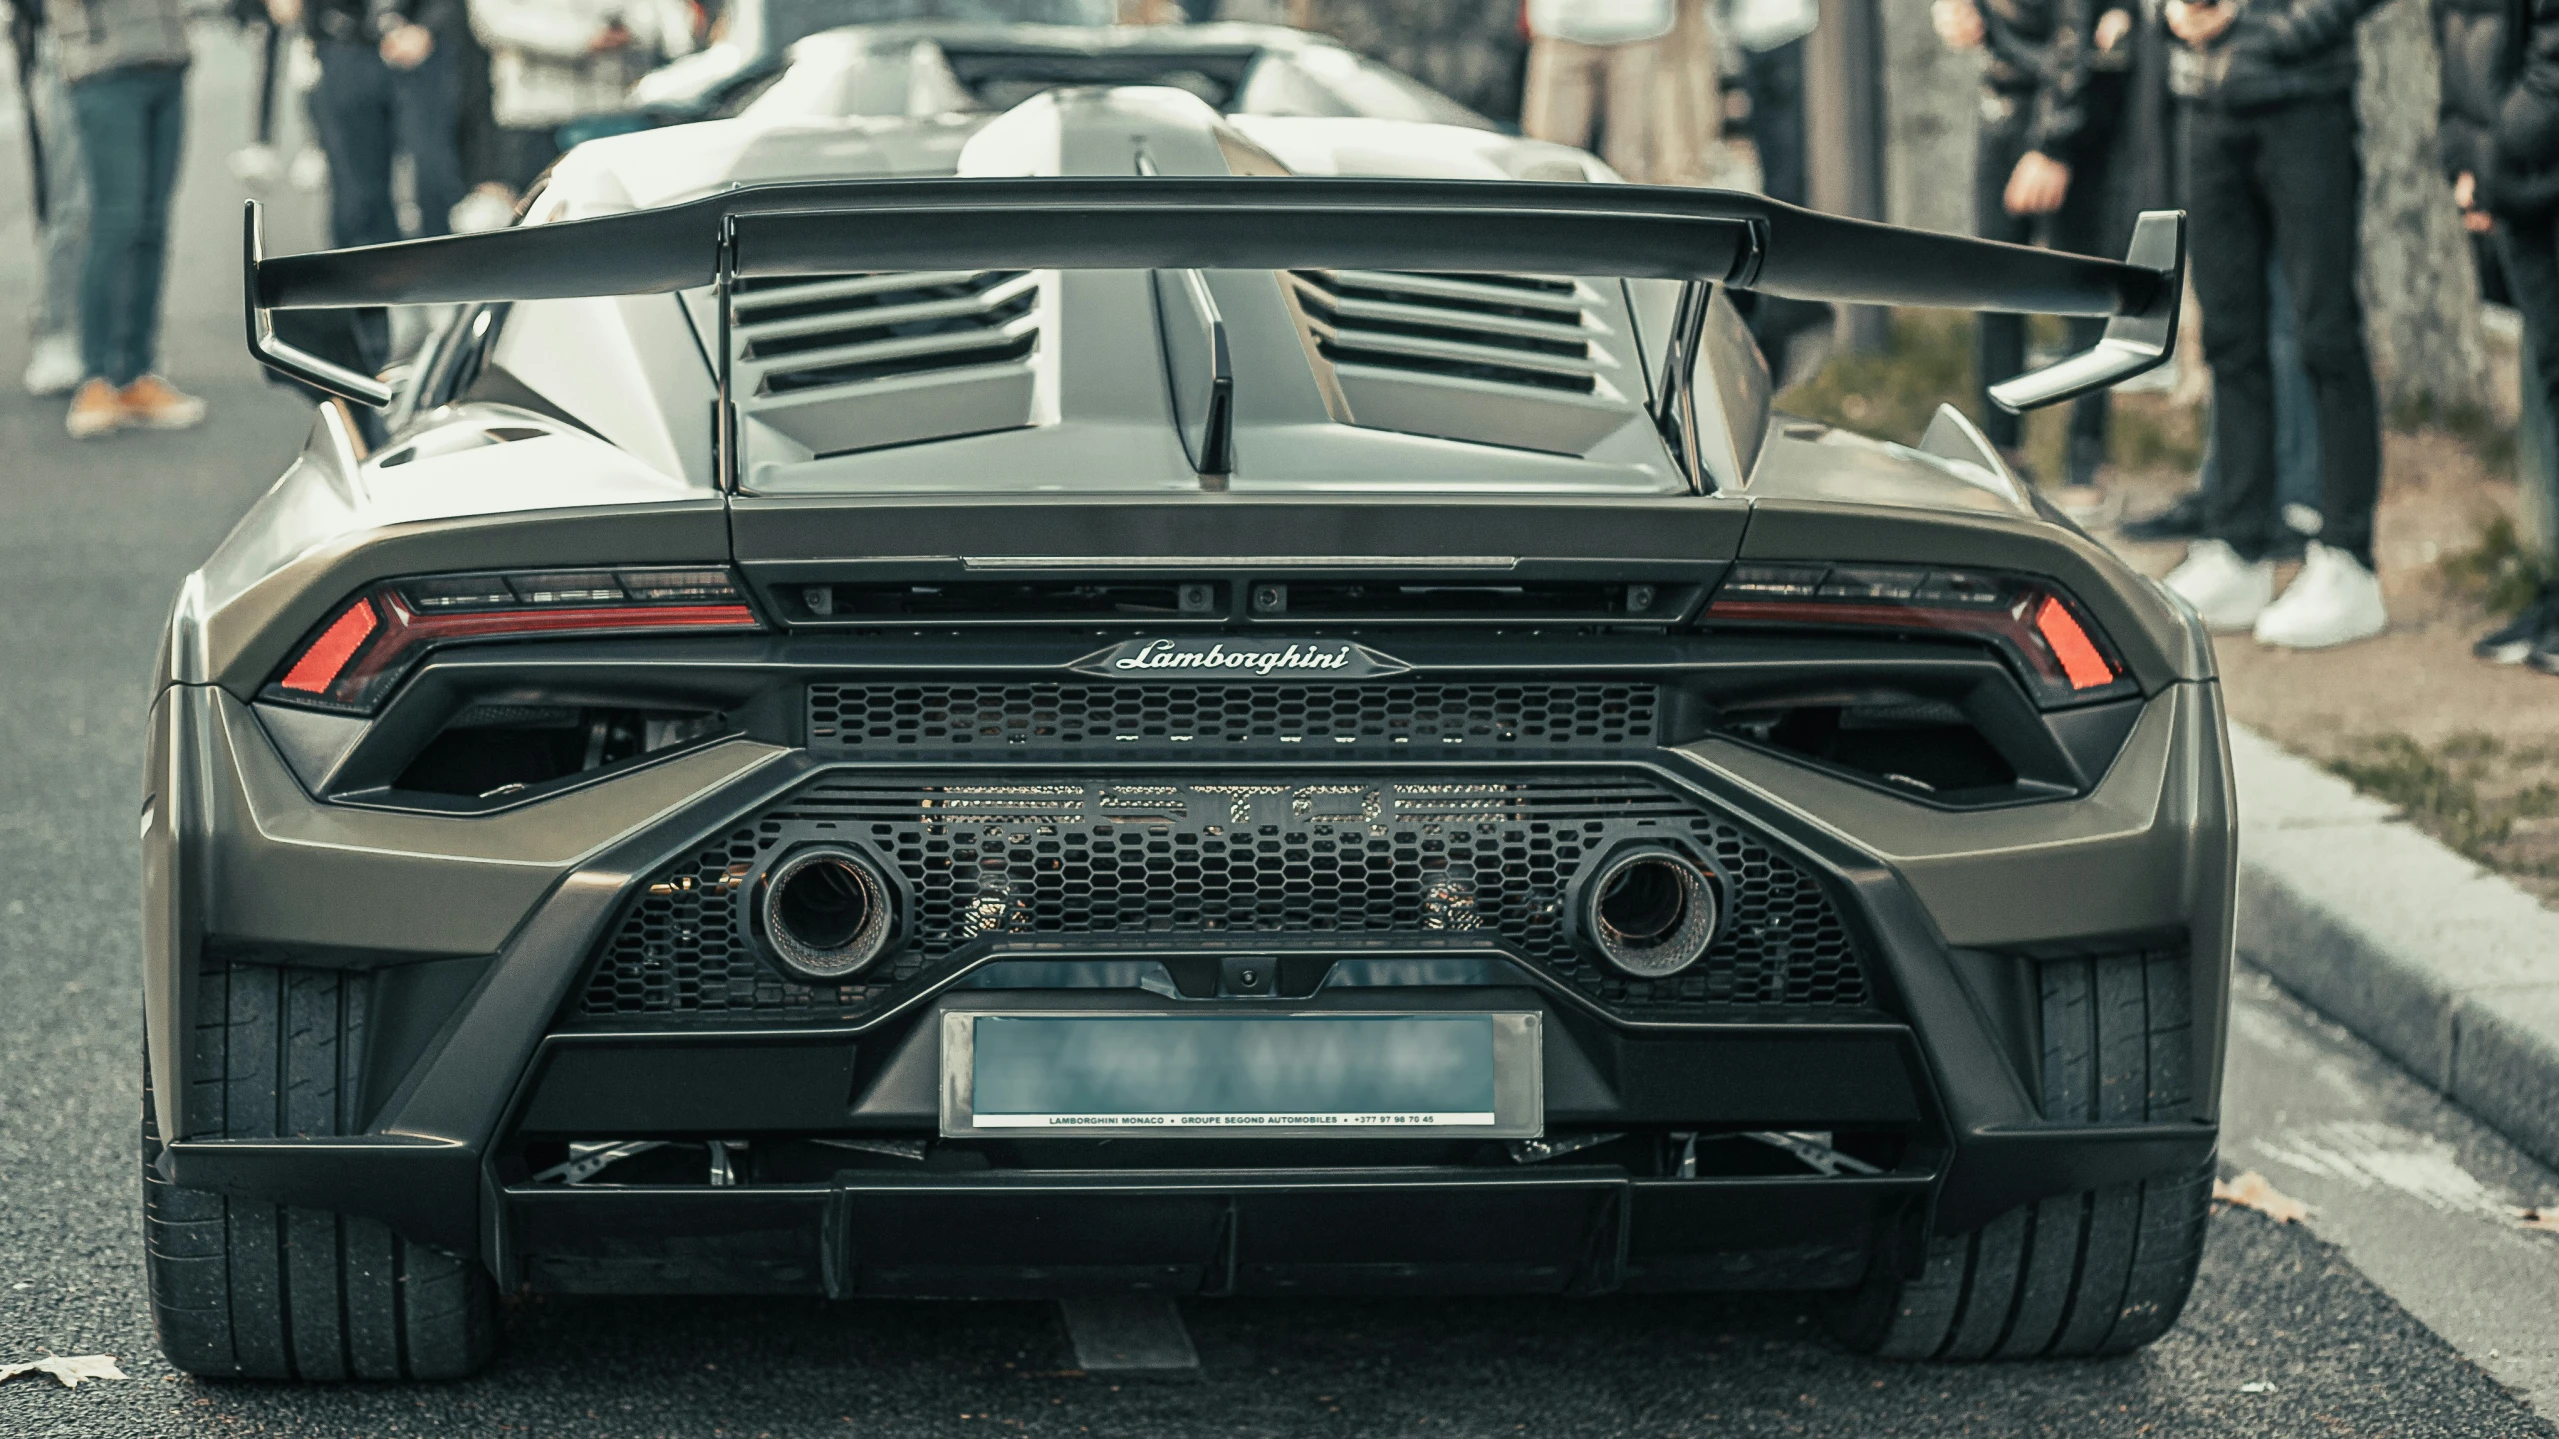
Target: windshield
{"x": 789, "y": 21}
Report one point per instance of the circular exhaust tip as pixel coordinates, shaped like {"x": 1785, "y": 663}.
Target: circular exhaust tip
{"x": 1650, "y": 912}
{"x": 827, "y": 913}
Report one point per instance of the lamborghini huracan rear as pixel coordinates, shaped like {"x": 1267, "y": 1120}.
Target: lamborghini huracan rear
{"x": 1162, "y": 726}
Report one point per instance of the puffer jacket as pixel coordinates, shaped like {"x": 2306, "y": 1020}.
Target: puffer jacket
{"x": 2278, "y": 51}
{"x": 543, "y": 69}
{"x": 2473, "y": 44}
{"x": 96, "y": 36}
{"x": 2038, "y": 58}
{"x": 2523, "y": 170}
{"x": 2499, "y": 119}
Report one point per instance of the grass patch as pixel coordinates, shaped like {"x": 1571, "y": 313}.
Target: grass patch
{"x": 1928, "y": 360}
{"x": 2487, "y": 437}
{"x": 2461, "y": 792}
{"x": 2498, "y": 572}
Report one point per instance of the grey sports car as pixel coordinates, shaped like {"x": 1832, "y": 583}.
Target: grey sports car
{"x": 1174, "y": 709}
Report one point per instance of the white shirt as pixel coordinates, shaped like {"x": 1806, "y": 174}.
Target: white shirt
{"x": 1601, "y": 22}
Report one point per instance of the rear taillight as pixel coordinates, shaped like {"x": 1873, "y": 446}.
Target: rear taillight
{"x": 2061, "y": 653}
{"x": 363, "y": 649}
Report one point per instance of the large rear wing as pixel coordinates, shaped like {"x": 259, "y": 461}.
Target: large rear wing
{"x": 1166, "y": 222}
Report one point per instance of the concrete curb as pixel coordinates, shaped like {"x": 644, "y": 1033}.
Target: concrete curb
{"x": 2445, "y": 967}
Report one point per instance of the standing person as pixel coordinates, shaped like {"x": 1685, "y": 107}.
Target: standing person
{"x": 61, "y": 208}
{"x": 1596, "y": 63}
{"x": 389, "y": 83}
{"x": 2499, "y": 136}
{"x": 125, "y": 62}
{"x": 486, "y": 168}
{"x": 2050, "y": 95}
{"x": 2159, "y": 119}
{"x": 2275, "y": 170}
{"x": 1770, "y": 36}
{"x": 551, "y": 61}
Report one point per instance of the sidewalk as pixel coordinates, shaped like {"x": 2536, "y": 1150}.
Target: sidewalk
{"x": 2447, "y": 968}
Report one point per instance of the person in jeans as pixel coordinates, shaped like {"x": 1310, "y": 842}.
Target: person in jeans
{"x": 390, "y": 83}
{"x": 2499, "y": 138}
{"x": 2273, "y": 167}
{"x": 125, "y": 62}
{"x": 61, "y": 211}
{"x": 2050, "y": 94}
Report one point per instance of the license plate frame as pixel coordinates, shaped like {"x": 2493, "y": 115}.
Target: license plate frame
{"x": 1515, "y": 1053}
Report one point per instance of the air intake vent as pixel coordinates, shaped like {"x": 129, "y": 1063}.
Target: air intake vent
{"x": 1498, "y": 329}
{"x": 855, "y": 362}
{"x": 1525, "y": 361}
{"x": 1283, "y": 721}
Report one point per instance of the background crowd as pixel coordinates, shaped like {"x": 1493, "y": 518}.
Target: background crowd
{"x": 432, "y": 115}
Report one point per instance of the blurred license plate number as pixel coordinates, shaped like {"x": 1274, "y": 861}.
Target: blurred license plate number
{"x": 1060, "y": 1074}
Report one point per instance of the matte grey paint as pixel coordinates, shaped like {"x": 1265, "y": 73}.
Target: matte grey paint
{"x": 234, "y": 844}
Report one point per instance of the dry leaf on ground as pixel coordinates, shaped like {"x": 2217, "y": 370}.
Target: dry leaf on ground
{"x": 2539, "y": 1217}
{"x": 2251, "y": 1191}
{"x": 69, "y": 1369}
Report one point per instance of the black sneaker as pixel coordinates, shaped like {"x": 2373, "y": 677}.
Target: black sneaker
{"x": 2531, "y": 637}
{"x": 2183, "y": 520}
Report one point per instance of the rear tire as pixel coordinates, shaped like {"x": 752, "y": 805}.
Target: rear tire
{"x": 2099, "y": 1272}
{"x": 250, "y": 1290}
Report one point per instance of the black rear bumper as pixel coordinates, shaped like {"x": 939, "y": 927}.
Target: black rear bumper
{"x": 441, "y": 1159}
{"x": 1588, "y": 1230}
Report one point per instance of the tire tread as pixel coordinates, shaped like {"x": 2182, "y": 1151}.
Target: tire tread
{"x": 245, "y": 1289}
{"x": 2077, "y": 1275}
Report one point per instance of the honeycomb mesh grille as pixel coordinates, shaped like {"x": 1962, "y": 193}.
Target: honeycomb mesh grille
{"x": 1278, "y": 719}
{"x": 1203, "y": 864}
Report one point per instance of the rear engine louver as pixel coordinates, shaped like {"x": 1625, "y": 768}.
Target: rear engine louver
{"x": 1524, "y": 360}
{"x": 858, "y": 362}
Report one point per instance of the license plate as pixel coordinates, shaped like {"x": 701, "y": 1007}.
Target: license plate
{"x": 1022, "y": 1073}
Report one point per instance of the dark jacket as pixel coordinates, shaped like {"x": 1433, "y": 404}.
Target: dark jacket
{"x": 2473, "y": 46}
{"x": 2499, "y": 118}
{"x": 367, "y": 21}
{"x": 2043, "y": 57}
{"x": 2278, "y": 51}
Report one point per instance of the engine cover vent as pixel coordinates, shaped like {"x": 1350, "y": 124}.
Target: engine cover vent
{"x": 856, "y": 362}
{"x": 1277, "y": 721}
{"x": 1531, "y": 361}
{"x": 1501, "y": 329}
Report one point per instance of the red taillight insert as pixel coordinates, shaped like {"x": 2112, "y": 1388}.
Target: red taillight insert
{"x": 362, "y": 653}
{"x": 320, "y": 665}
{"x": 2081, "y": 664}
{"x": 2061, "y": 653}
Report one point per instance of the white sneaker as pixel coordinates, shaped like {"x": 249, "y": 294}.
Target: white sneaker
{"x": 2227, "y": 591}
{"x": 256, "y": 166}
{"x": 308, "y": 170}
{"x": 54, "y": 368}
{"x": 2335, "y": 601}
{"x": 482, "y": 209}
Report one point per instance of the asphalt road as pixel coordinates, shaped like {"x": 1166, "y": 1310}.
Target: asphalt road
{"x": 2287, "y": 1335}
